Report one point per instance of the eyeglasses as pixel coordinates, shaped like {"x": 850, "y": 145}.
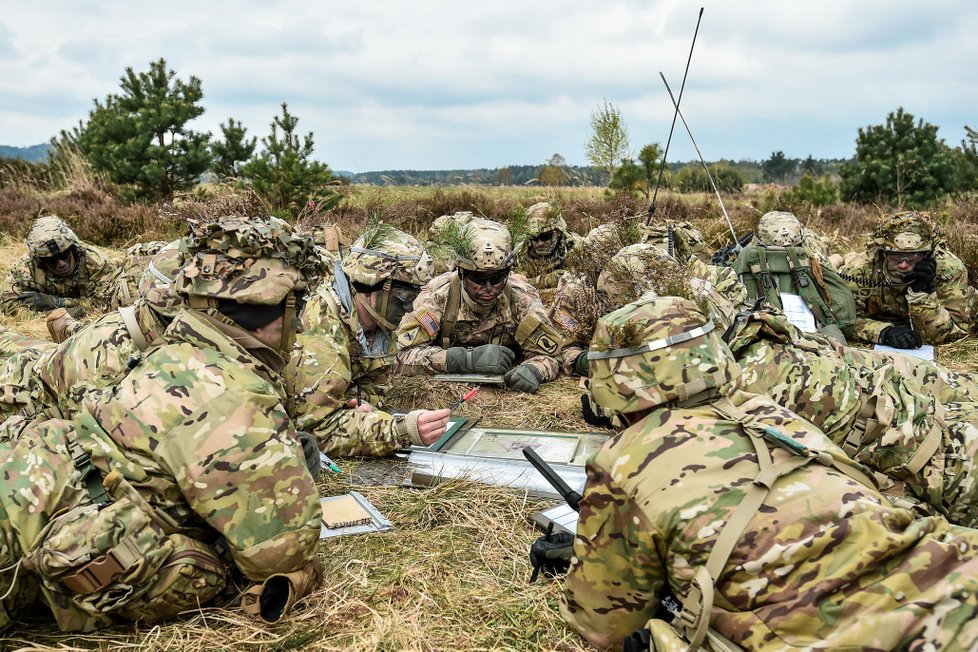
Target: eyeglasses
{"x": 546, "y": 236}
{"x": 51, "y": 261}
{"x": 405, "y": 293}
{"x": 909, "y": 257}
{"x": 480, "y": 278}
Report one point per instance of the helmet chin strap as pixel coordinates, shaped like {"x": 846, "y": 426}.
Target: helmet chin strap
{"x": 288, "y": 327}
{"x": 378, "y": 312}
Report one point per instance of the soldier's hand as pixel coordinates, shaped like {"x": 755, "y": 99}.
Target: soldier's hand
{"x": 524, "y": 378}
{"x": 900, "y": 337}
{"x": 310, "y": 449}
{"x": 485, "y": 359}
{"x": 40, "y": 302}
{"x": 591, "y": 417}
{"x": 552, "y": 553}
{"x": 580, "y": 364}
{"x": 921, "y": 278}
{"x": 432, "y": 425}
{"x": 362, "y": 406}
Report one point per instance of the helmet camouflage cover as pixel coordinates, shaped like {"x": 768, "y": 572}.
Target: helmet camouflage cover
{"x": 247, "y": 260}
{"x": 544, "y": 217}
{"x": 156, "y": 285}
{"x": 384, "y": 252}
{"x": 50, "y": 236}
{"x": 488, "y": 247}
{"x": 905, "y": 232}
{"x": 780, "y": 229}
{"x": 657, "y": 351}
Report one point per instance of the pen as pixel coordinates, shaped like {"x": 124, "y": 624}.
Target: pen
{"x": 328, "y": 463}
{"x": 468, "y": 395}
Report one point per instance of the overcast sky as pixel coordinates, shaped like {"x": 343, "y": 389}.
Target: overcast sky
{"x": 425, "y": 84}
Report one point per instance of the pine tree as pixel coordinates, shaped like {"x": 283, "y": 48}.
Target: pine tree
{"x": 140, "y": 138}
{"x": 233, "y": 149}
{"x": 284, "y": 173}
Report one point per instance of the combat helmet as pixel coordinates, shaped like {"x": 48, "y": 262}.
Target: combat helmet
{"x": 259, "y": 262}
{"x": 634, "y": 270}
{"x": 779, "y": 229}
{"x": 50, "y": 236}
{"x": 910, "y": 232}
{"x": 392, "y": 262}
{"x": 543, "y": 218}
{"x": 156, "y": 285}
{"x": 488, "y": 247}
{"x": 658, "y": 351}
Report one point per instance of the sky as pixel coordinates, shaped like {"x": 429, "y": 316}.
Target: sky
{"x": 432, "y": 84}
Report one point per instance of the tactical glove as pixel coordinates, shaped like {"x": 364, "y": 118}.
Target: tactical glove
{"x": 921, "y": 279}
{"x": 591, "y": 417}
{"x": 310, "y": 449}
{"x": 552, "y": 554}
{"x": 40, "y": 302}
{"x": 275, "y": 596}
{"x": 485, "y": 359}
{"x": 580, "y": 364}
{"x": 524, "y": 378}
{"x": 900, "y": 337}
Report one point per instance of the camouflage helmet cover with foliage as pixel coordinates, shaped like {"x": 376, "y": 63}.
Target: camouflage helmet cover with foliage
{"x": 780, "y": 229}
{"x": 627, "y": 377}
{"x": 544, "y": 217}
{"x": 382, "y": 253}
{"x": 633, "y": 270}
{"x": 905, "y": 232}
{"x": 247, "y": 260}
{"x": 156, "y": 285}
{"x": 486, "y": 246}
{"x": 50, "y": 236}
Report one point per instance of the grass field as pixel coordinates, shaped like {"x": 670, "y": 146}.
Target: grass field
{"x": 452, "y": 574}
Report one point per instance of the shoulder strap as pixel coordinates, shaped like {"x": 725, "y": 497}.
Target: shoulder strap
{"x": 450, "y": 316}
{"x": 128, "y": 314}
{"x": 82, "y": 273}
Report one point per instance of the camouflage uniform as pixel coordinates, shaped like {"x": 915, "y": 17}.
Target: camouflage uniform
{"x": 742, "y": 496}
{"x": 445, "y": 316}
{"x": 53, "y": 383}
{"x": 945, "y": 315}
{"x": 681, "y": 240}
{"x": 118, "y": 513}
{"x": 337, "y": 360}
{"x": 545, "y": 271}
{"x": 88, "y": 287}
{"x": 877, "y": 415}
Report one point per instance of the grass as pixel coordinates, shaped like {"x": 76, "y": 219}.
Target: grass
{"x": 452, "y": 573}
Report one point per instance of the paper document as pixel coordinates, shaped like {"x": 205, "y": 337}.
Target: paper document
{"x": 797, "y": 312}
{"x": 926, "y": 352}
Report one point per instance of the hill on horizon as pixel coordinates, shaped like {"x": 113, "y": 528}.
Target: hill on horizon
{"x": 32, "y": 153}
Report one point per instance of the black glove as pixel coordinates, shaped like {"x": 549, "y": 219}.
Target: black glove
{"x": 551, "y": 553}
{"x": 591, "y": 417}
{"x": 485, "y": 359}
{"x": 310, "y": 448}
{"x": 900, "y": 337}
{"x": 921, "y": 278}
{"x": 40, "y": 302}
{"x": 580, "y": 364}
{"x": 524, "y": 378}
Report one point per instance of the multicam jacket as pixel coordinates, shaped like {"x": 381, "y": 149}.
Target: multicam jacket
{"x": 200, "y": 431}
{"x": 879, "y": 416}
{"x": 90, "y": 287}
{"x": 945, "y": 315}
{"x": 331, "y": 367}
{"x": 422, "y": 333}
{"x": 824, "y": 563}
{"x": 546, "y": 272}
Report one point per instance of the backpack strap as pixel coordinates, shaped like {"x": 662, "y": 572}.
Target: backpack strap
{"x": 450, "y": 316}
{"x": 128, "y": 314}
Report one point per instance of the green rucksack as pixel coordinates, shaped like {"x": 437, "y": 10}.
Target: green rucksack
{"x": 769, "y": 271}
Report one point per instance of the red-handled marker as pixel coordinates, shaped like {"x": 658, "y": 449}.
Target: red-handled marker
{"x": 468, "y": 395}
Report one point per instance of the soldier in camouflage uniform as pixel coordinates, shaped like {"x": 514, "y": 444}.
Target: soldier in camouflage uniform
{"x": 475, "y": 319}
{"x": 548, "y": 241}
{"x": 926, "y": 449}
{"x": 91, "y": 356}
{"x": 909, "y": 288}
{"x": 682, "y": 240}
{"x": 136, "y": 261}
{"x": 59, "y": 271}
{"x": 120, "y": 513}
{"x": 347, "y": 350}
{"x": 763, "y": 529}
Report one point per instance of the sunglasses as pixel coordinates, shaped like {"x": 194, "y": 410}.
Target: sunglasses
{"x": 911, "y": 258}
{"x": 478, "y": 278}
{"x": 51, "y": 261}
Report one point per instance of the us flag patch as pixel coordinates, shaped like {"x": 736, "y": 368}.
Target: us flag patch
{"x": 428, "y": 322}
{"x": 565, "y": 320}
